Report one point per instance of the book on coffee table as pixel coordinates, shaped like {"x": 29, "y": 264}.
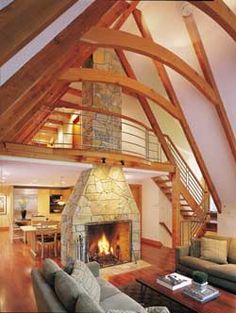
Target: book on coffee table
{"x": 205, "y": 295}
{"x": 174, "y": 281}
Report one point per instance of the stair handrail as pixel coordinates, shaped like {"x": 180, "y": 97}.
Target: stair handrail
{"x": 187, "y": 176}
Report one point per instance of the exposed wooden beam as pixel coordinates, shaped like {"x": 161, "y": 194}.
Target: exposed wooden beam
{"x": 35, "y": 88}
{"x": 24, "y": 20}
{"x": 74, "y": 92}
{"x": 146, "y": 108}
{"x": 84, "y": 156}
{"x": 175, "y": 209}
{"x": 102, "y": 37}
{"x": 49, "y": 129}
{"x": 64, "y": 115}
{"x": 79, "y": 74}
{"x": 140, "y": 21}
{"x": 120, "y": 22}
{"x": 220, "y": 13}
{"x": 54, "y": 121}
{"x": 208, "y": 74}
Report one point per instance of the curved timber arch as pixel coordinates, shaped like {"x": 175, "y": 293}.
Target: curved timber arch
{"x": 78, "y": 74}
{"x": 104, "y": 37}
{"x": 220, "y": 13}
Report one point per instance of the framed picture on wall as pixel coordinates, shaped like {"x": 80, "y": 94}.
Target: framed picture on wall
{"x": 3, "y": 204}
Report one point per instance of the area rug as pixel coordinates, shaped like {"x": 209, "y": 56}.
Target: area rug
{"x": 153, "y": 298}
{"x": 106, "y": 272}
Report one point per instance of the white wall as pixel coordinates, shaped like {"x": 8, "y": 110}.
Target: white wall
{"x": 227, "y": 221}
{"x": 156, "y": 208}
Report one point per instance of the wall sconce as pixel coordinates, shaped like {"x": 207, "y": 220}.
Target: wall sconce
{"x": 122, "y": 162}
{"x": 103, "y": 160}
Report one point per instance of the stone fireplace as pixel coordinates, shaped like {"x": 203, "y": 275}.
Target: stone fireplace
{"x": 101, "y": 206}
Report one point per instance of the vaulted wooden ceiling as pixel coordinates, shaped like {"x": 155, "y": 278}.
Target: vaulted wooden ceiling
{"x": 31, "y": 98}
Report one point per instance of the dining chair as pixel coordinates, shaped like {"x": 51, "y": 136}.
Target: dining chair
{"x": 47, "y": 238}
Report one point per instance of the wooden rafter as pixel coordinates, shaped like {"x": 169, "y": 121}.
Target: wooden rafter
{"x": 220, "y": 13}
{"x": 76, "y": 74}
{"x": 49, "y": 129}
{"x": 141, "y": 24}
{"x": 208, "y": 74}
{"x": 98, "y": 36}
{"x": 16, "y": 18}
{"x": 54, "y": 121}
{"x": 146, "y": 107}
{"x": 36, "y": 87}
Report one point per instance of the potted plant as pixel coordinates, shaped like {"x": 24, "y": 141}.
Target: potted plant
{"x": 200, "y": 280}
{"x": 22, "y": 205}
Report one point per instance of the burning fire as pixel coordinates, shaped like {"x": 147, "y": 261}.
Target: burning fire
{"x": 104, "y": 246}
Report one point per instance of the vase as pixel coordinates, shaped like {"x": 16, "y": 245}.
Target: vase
{"x": 23, "y": 214}
{"x": 200, "y": 287}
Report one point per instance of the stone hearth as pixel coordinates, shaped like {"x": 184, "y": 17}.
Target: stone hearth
{"x": 100, "y": 194}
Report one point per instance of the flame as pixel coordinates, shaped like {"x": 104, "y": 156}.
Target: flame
{"x": 104, "y": 246}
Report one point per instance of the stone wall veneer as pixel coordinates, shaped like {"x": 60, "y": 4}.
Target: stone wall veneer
{"x": 100, "y": 194}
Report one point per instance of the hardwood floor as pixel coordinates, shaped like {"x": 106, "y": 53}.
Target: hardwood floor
{"x": 16, "y": 293}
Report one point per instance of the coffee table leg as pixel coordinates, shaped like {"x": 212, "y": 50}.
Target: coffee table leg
{"x": 142, "y": 293}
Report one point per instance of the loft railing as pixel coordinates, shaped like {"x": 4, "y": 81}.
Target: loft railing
{"x": 98, "y": 131}
{"x": 188, "y": 178}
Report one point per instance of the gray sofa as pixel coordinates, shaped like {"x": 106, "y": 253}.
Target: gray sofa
{"x": 221, "y": 275}
{"x": 48, "y": 300}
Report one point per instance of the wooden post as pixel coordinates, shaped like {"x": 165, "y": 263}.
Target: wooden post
{"x": 176, "y": 209}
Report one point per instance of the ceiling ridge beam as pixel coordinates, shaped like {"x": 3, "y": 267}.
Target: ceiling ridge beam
{"x": 141, "y": 23}
{"x": 201, "y": 54}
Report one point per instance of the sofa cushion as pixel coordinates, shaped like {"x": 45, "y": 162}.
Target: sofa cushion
{"x": 196, "y": 263}
{"x": 49, "y": 270}
{"x": 214, "y": 250}
{"x": 224, "y": 271}
{"x": 121, "y": 301}
{"x": 84, "y": 277}
{"x": 232, "y": 251}
{"x": 86, "y": 304}
{"x": 218, "y": 237}
{"x": 67, "y": 290}
{"x": 107, "y": 289}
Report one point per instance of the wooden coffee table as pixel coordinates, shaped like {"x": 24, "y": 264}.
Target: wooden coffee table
{"x": 225, "y": 303}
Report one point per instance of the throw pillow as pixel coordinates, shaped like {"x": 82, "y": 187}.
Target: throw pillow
{"x": 49, "y": 270}
{"x": 84, "y": 277}
{"x": 67, "y": 290}
{"x": 86, "y": 304}
{"x": 214, "y": 250}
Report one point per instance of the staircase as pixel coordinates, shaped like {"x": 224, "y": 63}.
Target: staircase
{"x": 193, "y": 201}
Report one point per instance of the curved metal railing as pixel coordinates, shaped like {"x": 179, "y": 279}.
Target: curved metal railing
{"x": 99, "y": 131}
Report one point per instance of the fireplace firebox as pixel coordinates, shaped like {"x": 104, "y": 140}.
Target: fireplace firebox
{"x": 109, "y": 243}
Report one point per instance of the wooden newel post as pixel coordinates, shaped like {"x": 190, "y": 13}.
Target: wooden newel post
{"x": 176, "y": 209}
